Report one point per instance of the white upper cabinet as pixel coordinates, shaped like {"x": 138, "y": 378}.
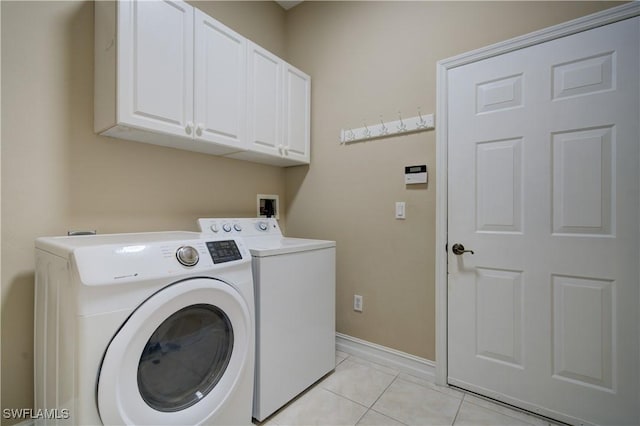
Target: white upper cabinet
{"x": 155, "y": 47}
{"x": 168, "y": 74}
{"x": 264, "y": 100}
{"x": 278, "y": 110}
{"x": 220, "y": 83}
{"x": 297, "y": 114}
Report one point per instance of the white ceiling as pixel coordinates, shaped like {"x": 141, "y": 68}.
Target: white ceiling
{"x": 286, "y": 5}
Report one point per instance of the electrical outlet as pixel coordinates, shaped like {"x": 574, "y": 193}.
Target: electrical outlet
{"x": 357, "y": 303}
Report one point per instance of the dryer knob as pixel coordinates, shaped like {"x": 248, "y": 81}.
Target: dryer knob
{"x": 187, "y": 255}
{"x": 226, "y": 227}
{"x": 237, "y": 227}
{"x": 214, "y": 227}
{"x": 262, "y": 226}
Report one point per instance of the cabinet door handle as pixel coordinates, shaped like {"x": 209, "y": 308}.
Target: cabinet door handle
{"x": 199, "y": 129}
{"x": 189, "y": 127}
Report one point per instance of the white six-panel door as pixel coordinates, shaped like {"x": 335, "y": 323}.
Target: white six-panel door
{"x": 543, "y": 182}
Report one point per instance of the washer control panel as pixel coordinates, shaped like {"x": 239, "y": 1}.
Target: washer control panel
{"x": 143, "y": 260}
{"x": 240, "y": 227}
{"x": 223, "y": 251}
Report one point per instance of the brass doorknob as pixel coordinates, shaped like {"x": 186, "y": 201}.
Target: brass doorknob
{"x": 458, "y": 249}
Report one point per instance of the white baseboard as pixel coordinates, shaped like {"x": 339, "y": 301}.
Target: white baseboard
{"x": 407, "y": 363}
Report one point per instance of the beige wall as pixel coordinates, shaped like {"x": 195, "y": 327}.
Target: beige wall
{"x": 367, "y": 59}
{"x": 57, "y": 175}
{"x": 260, "y": 21}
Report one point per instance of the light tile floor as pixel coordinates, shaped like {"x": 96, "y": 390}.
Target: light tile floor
{"x": 359, "y": 392}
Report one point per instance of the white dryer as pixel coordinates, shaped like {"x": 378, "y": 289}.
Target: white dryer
{"x": 144, "y": 329}
{"x": 295, "y": 308}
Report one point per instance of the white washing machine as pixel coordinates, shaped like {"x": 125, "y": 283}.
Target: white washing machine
{"x": 144, "y": 329}
{"x": 295, "y": 308}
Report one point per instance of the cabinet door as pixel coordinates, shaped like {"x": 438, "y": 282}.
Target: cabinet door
{"x": 155, "y": 75}
{"x": 297, "y": 114}
{"x": 264, "y": 99}
{"x": 220, "y": 83}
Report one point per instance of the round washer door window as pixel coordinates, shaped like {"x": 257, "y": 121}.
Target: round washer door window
{"x": 178, "y": 356}
{"x": 185, "y": 357}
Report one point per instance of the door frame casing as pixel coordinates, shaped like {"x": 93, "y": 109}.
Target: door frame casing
{"x": 575, "y": 26}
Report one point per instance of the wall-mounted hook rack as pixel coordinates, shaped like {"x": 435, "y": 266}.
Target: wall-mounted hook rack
{"x": 401, "y": 126}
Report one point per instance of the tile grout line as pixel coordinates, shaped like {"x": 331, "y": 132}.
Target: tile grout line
{"x": 370, "y": 408}
{"x": 344, "y": 397}
{"x": 458, "y": 410}
{"x": 483, "y": 403}
{"x": 341, "y": 361}
{"x": 397, "y": 376}
{"x": 387, "y": 415}
{"x": 385, "y": 389}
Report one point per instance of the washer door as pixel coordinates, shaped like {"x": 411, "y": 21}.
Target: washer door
{"x": 178, "y": 357}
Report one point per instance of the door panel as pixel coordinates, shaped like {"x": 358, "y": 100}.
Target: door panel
{"x": 499, "y": 181}
{"x": 297, "y": 93}
{"x": 264, "y": 100}
{"x": 220, "y": 89}
{"x": 543, "y": 187}
{"x": 582, "y": 202}
{"x": 156, "y": 51}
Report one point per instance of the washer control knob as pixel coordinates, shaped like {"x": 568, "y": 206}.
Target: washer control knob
{"x": 226, "y": 227}
{"x": 187, "y": 255}
{"x": 262, "y": 226}
{"x": 237, "y": 227}
{"x": 214, "y": 227}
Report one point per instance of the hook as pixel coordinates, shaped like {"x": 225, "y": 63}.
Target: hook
{"x": 367, "y": 132}
{"x": 383, "y": 129}
{"x": 348, "y": 136}
{"x": 402, "y": 127}
{"x": 421, "y": 124}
